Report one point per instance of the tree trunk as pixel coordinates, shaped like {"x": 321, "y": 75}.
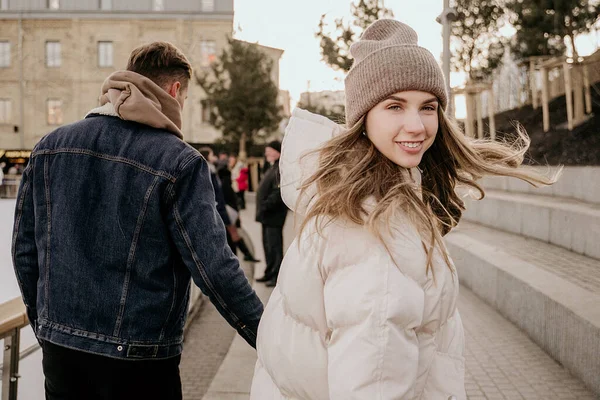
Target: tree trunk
{"x": 575, "y": 53}
{"x": 243, "y": 154}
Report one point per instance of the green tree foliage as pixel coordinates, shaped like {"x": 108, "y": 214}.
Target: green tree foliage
{"x": 477, "y": 47}
{"x": 242, "y": 94}
{"x": 542, "y": 25}
{"x": 337, "y": 114}
{"x": 335, "y": 49}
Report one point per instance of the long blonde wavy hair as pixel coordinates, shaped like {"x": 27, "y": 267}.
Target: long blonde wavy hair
{"x": 351, "y": 170}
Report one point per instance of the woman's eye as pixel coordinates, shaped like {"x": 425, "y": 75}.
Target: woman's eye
{"x": 394, "y": 107}
{"x": 429, "y": 108}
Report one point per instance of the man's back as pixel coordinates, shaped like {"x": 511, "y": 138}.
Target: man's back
{"x": 123, "y": 213}
{"x": 114, "y": 215}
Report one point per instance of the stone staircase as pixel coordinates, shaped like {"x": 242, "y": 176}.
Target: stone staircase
{"x": 534, "y": 255}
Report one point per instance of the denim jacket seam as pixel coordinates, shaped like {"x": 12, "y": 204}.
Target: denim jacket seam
{"x": 188, "y": 160}
{"x": 162, "y": 331}
{"x": 123, "y": 160}
{"x": 200, "y": 266}
{"x": 131, "y": 258}
{"x": 46, "y": 307}
{"x": 19, "y": 216}
{"x": 116, "y": 339}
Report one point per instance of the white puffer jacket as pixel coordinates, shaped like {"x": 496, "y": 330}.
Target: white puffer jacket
{"x": 345, "y": 322}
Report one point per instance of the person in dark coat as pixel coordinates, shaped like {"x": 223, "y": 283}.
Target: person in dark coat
{"x": 231, "y": 200}
{"x": 271, "y": 212}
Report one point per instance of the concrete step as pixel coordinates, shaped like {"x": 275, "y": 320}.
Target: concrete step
{"x": 580, "y": 183}
{"x": 569, "y": 223}
{"x": 549, "y": 292}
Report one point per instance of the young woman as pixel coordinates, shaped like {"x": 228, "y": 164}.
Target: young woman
{"x": 239, "y": 179}
{"x": 365, "y": 307}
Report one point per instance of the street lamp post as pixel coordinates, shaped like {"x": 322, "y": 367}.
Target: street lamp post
{"x": 446, "y": 18}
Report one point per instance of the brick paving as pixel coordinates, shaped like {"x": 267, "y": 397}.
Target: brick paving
{"x": 503, "y": 363}
{"x": 206, "y": 344}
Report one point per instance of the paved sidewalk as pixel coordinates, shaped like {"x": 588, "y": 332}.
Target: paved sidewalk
{"x": 206, "y": 344}
{"x": 234, "y": 378}
{"x": 502, "y": 362}
{"x": 208, "y": 340}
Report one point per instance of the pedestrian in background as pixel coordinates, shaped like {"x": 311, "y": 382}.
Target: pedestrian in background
{"x": 271, "y": 212}
{"x": 221, "y": 204}
{"x": 238, "y": 180}
{"x": 243, "y": 186}
{"x": 115, "y": 213}
{"x": 365, "y": 307}
{"x": 223, "y": 160}
{"x": 231, "y": 202}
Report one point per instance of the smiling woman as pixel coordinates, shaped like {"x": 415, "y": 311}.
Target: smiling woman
{"x": 404, "y": 126}
{"x": 365, "y": 306}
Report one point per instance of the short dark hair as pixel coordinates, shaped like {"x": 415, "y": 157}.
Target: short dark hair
{"x": 161, "y": 62}
{"x": 205, "y": 151}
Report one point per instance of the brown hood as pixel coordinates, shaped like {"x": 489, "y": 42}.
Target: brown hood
{"x": 136, "y": 98}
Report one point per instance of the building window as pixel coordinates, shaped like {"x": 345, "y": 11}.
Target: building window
{"x": 208, "y": 5}
{"x": 208, "y": 48}
{"x": 106, "y": 4}
{"x": 4, "y": 54}
{"x": 5, "y": 111}
{"x": 105, "y": 54}
{"x": 3, "y": 4}
{"x": 53, "y": 56}
{"x": 54, "y": 4}
{"x": 158, "y": 5}
{"x": 206, "y": 111}
{"x": 55, "y": 114}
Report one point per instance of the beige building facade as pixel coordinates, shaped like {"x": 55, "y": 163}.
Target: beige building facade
{"x": 53, "y": 60}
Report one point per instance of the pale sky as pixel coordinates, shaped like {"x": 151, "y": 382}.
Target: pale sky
{"x": 291, "y": 26}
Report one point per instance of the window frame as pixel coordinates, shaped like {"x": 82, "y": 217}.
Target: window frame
{"x": 8, "y": 54}
{"x": 158, "y": 5}
{"x": 210, "y": 8}
{"x": 112, "y": 53}
{"x": 56, "y": 116}
{"x": 56, "y": 56}
{"x": 102, "y": 5}
{"x": 8, "y": 117}
{"x": 206, "y": 58}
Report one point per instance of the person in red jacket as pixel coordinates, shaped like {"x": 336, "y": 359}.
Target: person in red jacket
{"x": 242, "y": 186}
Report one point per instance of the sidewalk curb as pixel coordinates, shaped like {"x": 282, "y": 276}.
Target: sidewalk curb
{"x": 236, "y": 363}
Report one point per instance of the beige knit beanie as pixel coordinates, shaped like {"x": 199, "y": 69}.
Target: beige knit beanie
{"x": 388, "y": 60}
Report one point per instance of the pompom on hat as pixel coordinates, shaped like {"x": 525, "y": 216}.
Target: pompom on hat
{"x": 388, "y": 60}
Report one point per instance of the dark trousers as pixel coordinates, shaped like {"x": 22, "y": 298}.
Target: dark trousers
{"x": 272, "y": 237}
{"x": 75, "y": 375}
{"x": 239, "y": 245}
{"x": 241, "y": 199}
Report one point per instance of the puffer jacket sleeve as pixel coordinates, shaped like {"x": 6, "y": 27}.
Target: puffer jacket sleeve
{"x": 372, "y": 311}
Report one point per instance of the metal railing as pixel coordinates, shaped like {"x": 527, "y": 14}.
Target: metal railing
{"x": 12, "y": 318}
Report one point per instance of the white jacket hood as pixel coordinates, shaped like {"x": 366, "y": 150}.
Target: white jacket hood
{"x": 305, "y": 132}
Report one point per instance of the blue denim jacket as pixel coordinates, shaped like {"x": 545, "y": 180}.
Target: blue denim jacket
{"x": 113, "y": 218}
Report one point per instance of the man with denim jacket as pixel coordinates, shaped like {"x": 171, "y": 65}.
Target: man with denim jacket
{"x": 115, "y": 214}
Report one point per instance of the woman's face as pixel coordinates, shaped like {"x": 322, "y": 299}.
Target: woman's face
{"x": 403, "y": 126}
